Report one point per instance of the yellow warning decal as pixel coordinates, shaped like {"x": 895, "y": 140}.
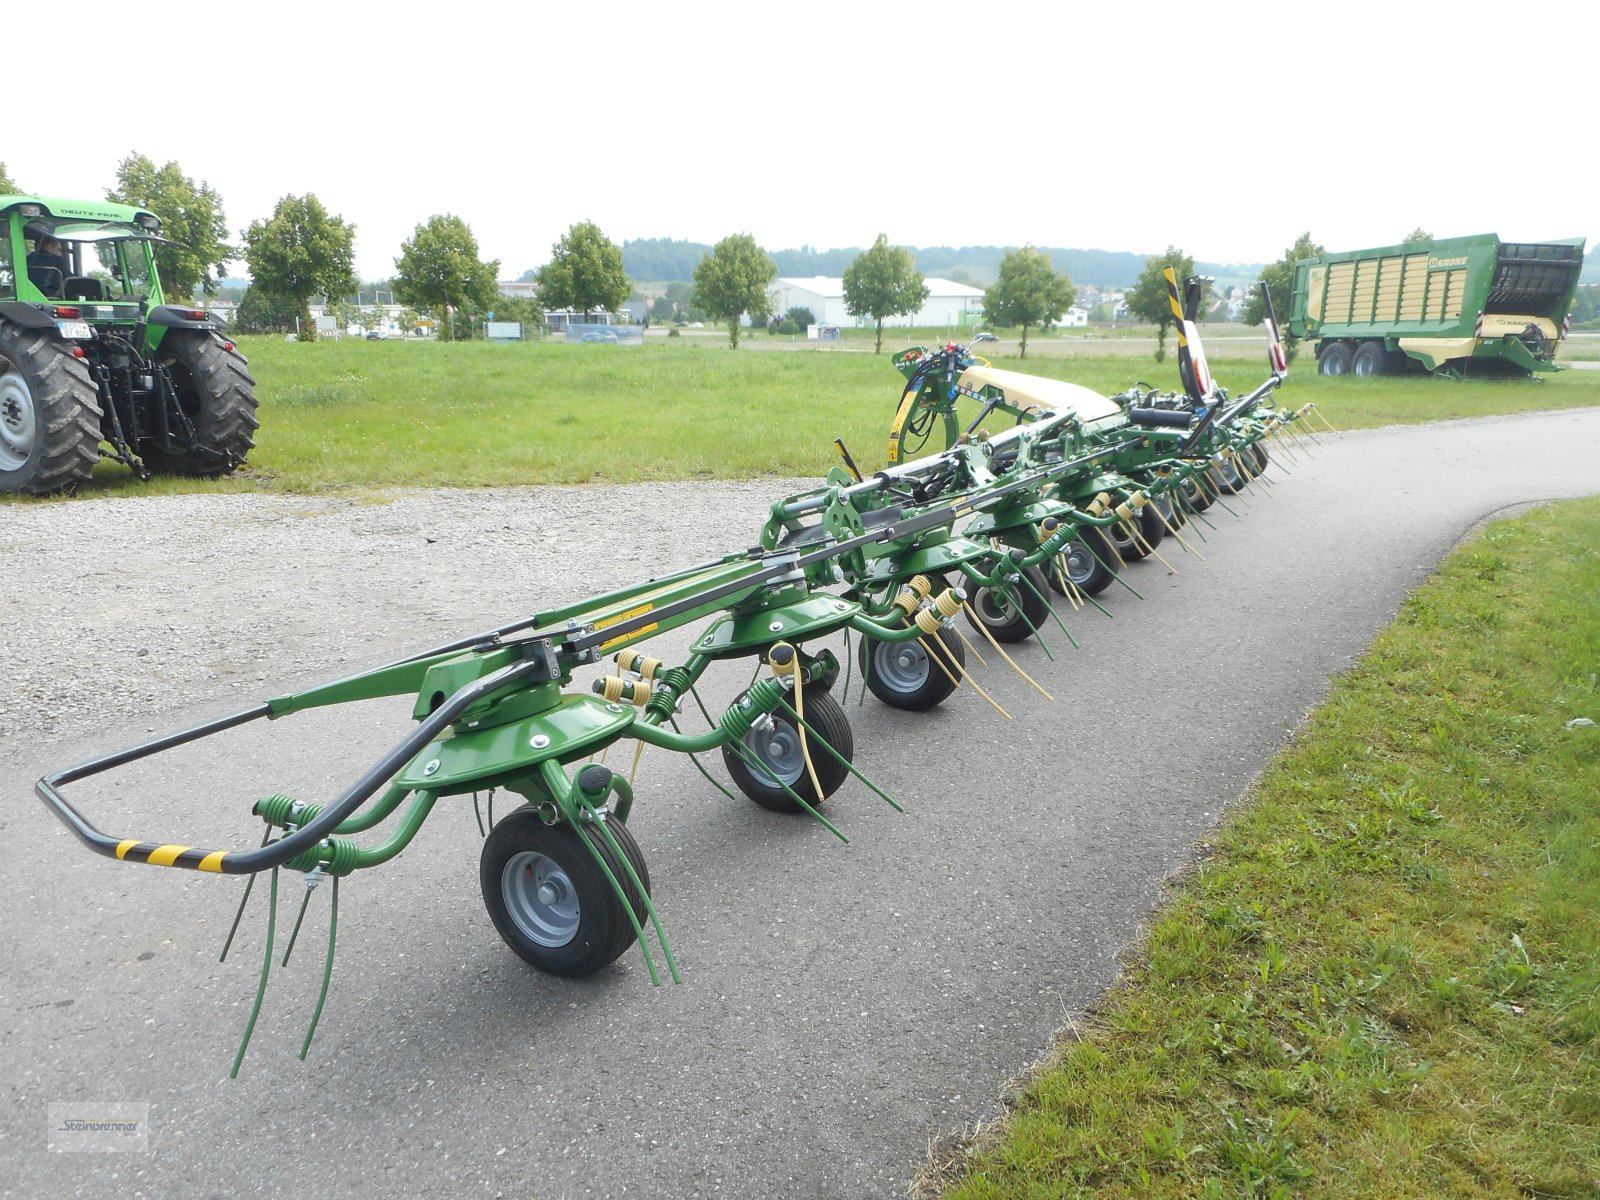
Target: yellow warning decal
{"x": 607, "y": 622}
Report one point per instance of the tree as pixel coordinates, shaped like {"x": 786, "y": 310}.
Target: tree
{"x": 300, "y": 253}
{"x": 584, "y": 272}
{"x": 1419, "y": 234}
{"x": 1148, "y": 299}
{"x": 260, "y": 312}
{"x": 191, "y": 219}
{"x": 732, "y": 280}
{"x": 1030, "y": 291}
{"x": 801, "y": 316}
{"x": 1279, "y": 277}
{"x": 439, "y": 268}
{"x": 883, "y": 282}
{"x": 7, "y": 188}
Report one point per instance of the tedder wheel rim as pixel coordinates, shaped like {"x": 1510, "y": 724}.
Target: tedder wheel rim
{"x": 901, "y": 666}
{"x": 779, "y": 750}
{"x": 541, "y": 898}
{"x": 18, "y": 425}
{"x": 1080, "y": 562}
{"x": 995, "y": 607}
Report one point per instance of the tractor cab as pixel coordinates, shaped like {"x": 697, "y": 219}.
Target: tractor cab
{"x": 97, "y": 257}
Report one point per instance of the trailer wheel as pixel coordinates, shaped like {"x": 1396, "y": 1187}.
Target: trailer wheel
{"x": 1334, "y": 359}
{"x": 217, "y": 393}
{"x": 49, "y": 413}
{"x": 1370, "y": 359}
{"x": 781, "y": 754}
{"x": 549, "y": 898}
{"x": 905, "y": 675}
{"x": 1012, "y": 613}
{"x": 1089, "y": 558}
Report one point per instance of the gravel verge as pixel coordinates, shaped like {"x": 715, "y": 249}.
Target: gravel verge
{"x": 128, "y": 608}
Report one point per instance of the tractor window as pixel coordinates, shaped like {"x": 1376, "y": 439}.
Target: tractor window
{"x": 8, "y": 274}
{"x": 125, "y": 269}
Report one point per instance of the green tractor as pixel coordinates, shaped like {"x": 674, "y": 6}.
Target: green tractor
{"x": 94, "y": 363}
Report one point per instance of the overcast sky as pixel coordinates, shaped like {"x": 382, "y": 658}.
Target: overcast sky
{"x": 1227, "y": 129}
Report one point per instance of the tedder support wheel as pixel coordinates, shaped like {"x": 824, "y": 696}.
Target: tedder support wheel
{"x": 1194, "y": 496}
{"x": 1226, "y": 476}
{"x": 1370, "y": 359}
{"x": 217, "y": 393}
{"x": 1012, "y": 614}
{"x": 549, "y": 898}
{"x": 905, "y": 675}
{"x": 49, "y": 413}
{"x": 1090, "y": 564}
{"x": 1150, "y": 529}
{"x": 1334, "y": 360}
{"x": 779, "y": 750}
{"x": 1260, "y": 452}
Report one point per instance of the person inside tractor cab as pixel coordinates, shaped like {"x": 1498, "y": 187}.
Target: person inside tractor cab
{"x": 47, "y": 265}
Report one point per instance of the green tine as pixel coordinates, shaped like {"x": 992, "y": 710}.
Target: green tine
{"x": 695, "y": 759}
{"x": 266, "y": 968}
{"x": 754, "y": 760}
{"x": 249, "y": 883}
{"x": 327, "y": 969}
{"x": 843, "y": 761}
{"x": 1046, "y": 599}
{"x": 598, "y": 821}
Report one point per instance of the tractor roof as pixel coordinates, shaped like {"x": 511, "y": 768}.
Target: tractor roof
{"x": 91, "y": 210}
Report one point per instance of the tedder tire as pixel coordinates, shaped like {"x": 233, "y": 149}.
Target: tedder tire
{"x": 1260, "y": 452}
{"x": 1370, "y": 359}
{"x": 217, "y": 394}
{"x": 1001, "y": 615}
{"x": 1150, "y": 529}
{"x": 780, "y": 751}
{"x": 49, "y": 413}
{"x": 1091, "y": 565}
{"x": 1226, "y": 476}
{"x": 1195, "y": 496}
{"x": 904, "y": 675}
{"x": 550, "y": 900}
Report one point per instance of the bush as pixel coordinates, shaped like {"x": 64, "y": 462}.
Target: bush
{"x": 787, "y": 326}
{"x": 674, "y": 332}
{"x": 800, "y": 316}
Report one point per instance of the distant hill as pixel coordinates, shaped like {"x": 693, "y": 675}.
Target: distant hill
{"x": 665, "y": 260}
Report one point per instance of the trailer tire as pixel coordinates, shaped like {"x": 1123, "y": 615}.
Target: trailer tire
{"x": 1370, "y": 359}
{"x": 904, "y": 675}
{"x": 49, "y": 413}
{"x": 779, "y": 750}
{"x": 1008, "y": 619}
{"x": 1334, "y": 359}
{"x": 217, "y": 393}
{"x": 550, "y": 900}
{"x": 1089, "y": 558}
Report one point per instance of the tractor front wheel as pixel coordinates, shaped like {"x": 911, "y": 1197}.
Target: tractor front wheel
{"x": 780, "y": 757}
{"x": 217, "y": 393}
{"x": 549, "y": 898}
{"x": 49, "y": 413}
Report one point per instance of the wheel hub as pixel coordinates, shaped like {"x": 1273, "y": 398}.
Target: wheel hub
{"x": 17, "y": 425}
{"x": 902, "y": 667}
{"x": 779, "y": 750}
{"x": 540, "y": 898}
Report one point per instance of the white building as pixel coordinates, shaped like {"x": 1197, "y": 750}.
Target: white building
{"x": 948, "y": 303}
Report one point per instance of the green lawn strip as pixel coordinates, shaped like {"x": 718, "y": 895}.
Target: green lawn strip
{"x": 385, "y": 414}
{"x": 1384, "y": 980}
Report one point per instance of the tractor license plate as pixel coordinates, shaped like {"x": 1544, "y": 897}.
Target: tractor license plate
{"x": 75, "y": 329}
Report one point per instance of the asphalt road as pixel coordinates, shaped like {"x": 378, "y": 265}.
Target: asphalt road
{"x": 841, "y": 1005}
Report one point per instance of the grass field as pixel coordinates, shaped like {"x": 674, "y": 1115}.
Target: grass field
{"x": 1385, "y": 979}
{"x": 387, "y": 414}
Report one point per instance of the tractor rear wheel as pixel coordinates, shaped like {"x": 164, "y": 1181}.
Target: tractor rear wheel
{"x": 217, "y": 393}
{"x": 549, "y": 898}
{"x": 782, "y": 758}
{"x": 49, "y": 413}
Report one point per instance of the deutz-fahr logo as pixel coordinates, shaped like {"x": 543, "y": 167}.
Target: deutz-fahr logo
{"x": 1440, "y": 264}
